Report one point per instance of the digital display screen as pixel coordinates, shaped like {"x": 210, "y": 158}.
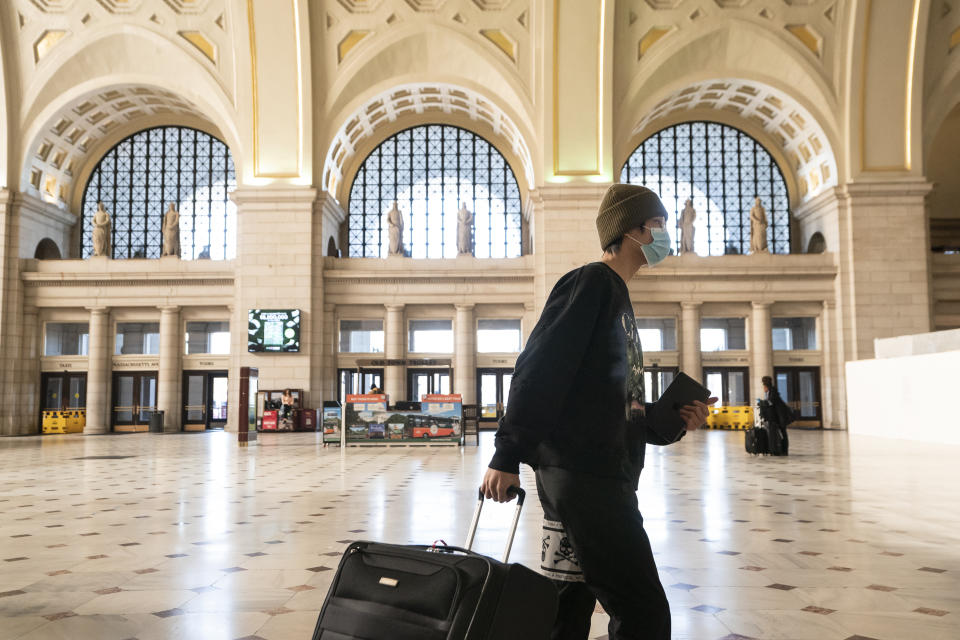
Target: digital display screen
{"x": 273, "y": 330}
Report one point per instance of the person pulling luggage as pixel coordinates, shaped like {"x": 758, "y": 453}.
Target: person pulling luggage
{"x": 575, "y": 414}
{"x": 778, "y": 416}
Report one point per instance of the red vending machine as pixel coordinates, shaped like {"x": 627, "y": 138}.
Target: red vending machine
{"x": 269, "y": 421}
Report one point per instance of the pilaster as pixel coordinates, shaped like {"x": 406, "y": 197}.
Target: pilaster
{"x": 274, "y": 270}
{"x": 884, "y": 263}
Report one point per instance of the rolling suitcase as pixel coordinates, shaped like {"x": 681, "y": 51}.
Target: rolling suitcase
{"x": 755, "y": 441}
{"x": 400, "y": 592}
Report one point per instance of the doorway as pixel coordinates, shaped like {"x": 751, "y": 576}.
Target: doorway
{"x": 421, "y": 382}
{"x": 62, "y": 391}
{"x": 730, "y": 384}
{"x": 354, "y": 381}
{"x": 656, "y": 380}
{"x": 493, "y": 390}
{"x": 134, "y": 399}
{"x": 204, "y": 400}
{"x": 800, "y": 389}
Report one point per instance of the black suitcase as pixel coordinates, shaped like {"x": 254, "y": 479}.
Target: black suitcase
{"x": 400, "y": 592}
{"x": 755, "y": 441}
{"x": 778, "y": 443}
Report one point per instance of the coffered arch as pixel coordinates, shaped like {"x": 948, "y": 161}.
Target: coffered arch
{"x": 407, "y": 105}
{"x": 410, "y": 71}
{"x": 755, "y": 84}
{"x": 81, "y": 110}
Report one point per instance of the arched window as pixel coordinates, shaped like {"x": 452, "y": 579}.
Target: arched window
{"x": 138, "y": 178}
{"x": 723, "y": 170}
{"x": 430, "y": 171}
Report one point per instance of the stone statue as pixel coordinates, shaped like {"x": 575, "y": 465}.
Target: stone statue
{"x": 758, "y": 228}
{"x": 395, "y": 220}
{"x": 687, "y": 217}
{"x": 464, "y": 231}
{"x": 171, "y": 232}
{"x": 101, "y": 231}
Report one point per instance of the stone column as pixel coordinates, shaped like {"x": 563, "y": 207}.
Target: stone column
{"x": 98, "y": 372}
{"x": 395, "y": 331}
{"x": 328, "y": 375}
{"x": 169, "y": 382}
{"x": 761, "y": 351}
{"x": 465, "y": 354}
{"x": 29, "y": 373}
{"x": 690, "y": 361}
{"x": 832, "y": 394}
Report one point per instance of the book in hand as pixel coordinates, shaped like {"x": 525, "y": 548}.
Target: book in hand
{"x": 665, "y": 418}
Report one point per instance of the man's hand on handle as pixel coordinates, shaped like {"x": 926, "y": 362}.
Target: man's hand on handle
{"x": 695, "y": 415}
{"x": 496, "y": 484}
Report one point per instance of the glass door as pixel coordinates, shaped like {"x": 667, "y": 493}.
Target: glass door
{"x": 493, "y": 390}
{"x": 217, "y": 405}
{"x": 63, "y": 391}
{"x": 204, "y": 400}
{"x": 421, "y": 382}
{"x": 730, "y": 384}
{"x": 353, "y": 381}
{"x": 76, "y": 391}
{"x": 655, "y": 382}
{"x": 134, "y": 400}
{"x": 194, "y": 400}
{"x": 800, "y": 389}
{"x": 52, "y": 384}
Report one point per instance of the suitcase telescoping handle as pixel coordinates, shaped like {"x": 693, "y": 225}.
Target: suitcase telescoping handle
{"x": 521, "y": 496}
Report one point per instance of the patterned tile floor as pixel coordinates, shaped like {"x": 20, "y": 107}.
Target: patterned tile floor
{"x": 190, "y": 536}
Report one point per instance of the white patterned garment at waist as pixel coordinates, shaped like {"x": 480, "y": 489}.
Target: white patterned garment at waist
{"x": 557, "y": 558}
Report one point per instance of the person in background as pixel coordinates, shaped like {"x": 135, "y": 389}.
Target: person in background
{"x": 286, "y": 405}
{"x": 576, "y": 415}
{"x": 375, "y": 389}
{"x": 780, "y": 415}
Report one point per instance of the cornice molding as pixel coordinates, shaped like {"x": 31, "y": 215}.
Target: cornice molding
{"x": 268, "y": 197}
{"x": 32, "y": 281}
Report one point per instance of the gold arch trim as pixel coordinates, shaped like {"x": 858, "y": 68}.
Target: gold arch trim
{"x": 256, "y": 98}
{"x": 556, "y": 97}
{"x": 908, "y": 107}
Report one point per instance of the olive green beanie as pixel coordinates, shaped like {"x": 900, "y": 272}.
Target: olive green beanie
{"x": 625, "y": 207}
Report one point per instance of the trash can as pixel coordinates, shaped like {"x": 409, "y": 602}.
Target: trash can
{"x": 156, "y": 422}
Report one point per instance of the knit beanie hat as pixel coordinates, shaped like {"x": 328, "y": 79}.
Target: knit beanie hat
{"x": 625, "y": 207}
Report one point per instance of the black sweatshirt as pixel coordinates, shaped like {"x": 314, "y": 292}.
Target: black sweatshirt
{"x": 573, "y": 384}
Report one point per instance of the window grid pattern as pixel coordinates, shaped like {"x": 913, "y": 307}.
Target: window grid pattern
{"x": 721, "y": 169}
{"x": 429, "y": 171}
{"x": 139, "y": 177}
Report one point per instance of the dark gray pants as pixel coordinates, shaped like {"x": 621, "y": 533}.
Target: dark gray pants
{"x": 603, "y": 524}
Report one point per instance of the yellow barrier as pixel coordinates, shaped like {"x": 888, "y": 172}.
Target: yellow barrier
{"x": 72, "y": 421}
{"x": 730, "y": 418}
{"x": 76, "y": 420}
{"x": 54, "y": 422}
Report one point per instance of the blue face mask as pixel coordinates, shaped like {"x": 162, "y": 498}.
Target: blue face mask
{"x": 657, "y": 250}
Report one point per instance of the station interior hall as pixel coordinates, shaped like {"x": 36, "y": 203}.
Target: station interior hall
{"x": 267, "y": 266}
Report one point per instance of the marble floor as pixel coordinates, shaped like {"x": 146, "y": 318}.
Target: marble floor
{"x": 190, "y": 536}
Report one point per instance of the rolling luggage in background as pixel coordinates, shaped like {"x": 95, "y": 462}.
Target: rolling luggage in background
{"x": 755, "y": 441}
{"x": 399, "y": 592}
{"x": 778, "y": 443}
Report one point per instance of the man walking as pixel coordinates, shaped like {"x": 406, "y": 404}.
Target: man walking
{"x": 576, "y": 415}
